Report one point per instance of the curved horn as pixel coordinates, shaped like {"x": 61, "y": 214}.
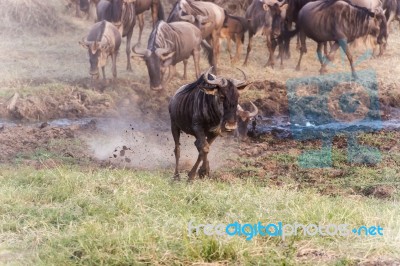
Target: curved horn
{"x": 188, "y": 18}
{"x": 239, "y": 83}
{"x": 140, "y": 51}
{"x": 217, "y": 81}
{"x": 255, "y": 112}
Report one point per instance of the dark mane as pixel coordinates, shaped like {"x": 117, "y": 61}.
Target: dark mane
{"x": 151, "y": 45}
{"x": 172, "y": 11}
{"x": 192, "y": 86}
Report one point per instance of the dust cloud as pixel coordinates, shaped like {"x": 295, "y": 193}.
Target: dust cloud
{"x": 137, "y": 141}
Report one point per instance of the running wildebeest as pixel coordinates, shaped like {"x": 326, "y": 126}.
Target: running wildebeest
{"x": 208, "y": 16}
{"x": 102, "y": 41}
{"x": 264, "y": 19}
{"x": 169, "y": 44}
{"x": 123, "y": 15}
{"x": 234, "y": 29}
{"x": 202, "y": 109}
{"x": 342, "y": 23}
{"x": 157, "y": 13}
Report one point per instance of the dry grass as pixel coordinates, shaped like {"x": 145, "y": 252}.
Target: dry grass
{"x": 36, "y": 16}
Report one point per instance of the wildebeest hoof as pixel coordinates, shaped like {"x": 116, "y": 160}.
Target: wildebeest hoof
{"x": 176, "y": 177}
{"x": 203, "y": 172}
{"x": 297, "y": 68}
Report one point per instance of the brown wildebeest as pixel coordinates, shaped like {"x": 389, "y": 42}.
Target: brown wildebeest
{"x": 376, "y": 7}
{"x": 244, "y": 118}
{"x": 234, "y": 29}
{"x": 342, "y": 23}
{"x": 264, "y": 19}
{"x": 208, "y": 16}
{"x": 102, "y": 41}
{"x": 123, "y": 15}
{"x": 202, "y": 109}
{"x": 392, "y": 11}
{"x": 157, "y": 13}
{"x": 169, "y": 44}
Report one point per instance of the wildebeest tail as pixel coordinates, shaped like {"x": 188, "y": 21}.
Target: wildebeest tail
{"x": 160, "y": 14}
{"x": 208, "y": 51}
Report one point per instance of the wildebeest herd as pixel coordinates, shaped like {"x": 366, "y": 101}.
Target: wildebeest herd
{"x": 210, "y": 104}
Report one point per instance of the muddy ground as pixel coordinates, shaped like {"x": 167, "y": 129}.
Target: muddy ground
{"x": 124, "y": 123}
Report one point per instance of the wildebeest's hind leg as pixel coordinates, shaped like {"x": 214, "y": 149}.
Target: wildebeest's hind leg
{"x": 140, "y": 18}
{"x": 205, "y": 167}
{"x": 303, "y": 48}
{"x": 176, "y": 133}
{"x": 202, "y": 147}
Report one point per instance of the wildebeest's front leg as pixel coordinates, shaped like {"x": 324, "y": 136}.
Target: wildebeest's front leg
{"x": 271, "y": 49}
{"x": 196, "y": 59}
{"x": 346, "y": 49}
{"x": 104, "y": 72}
{"x": 171, "y": 74}
{"x": 248, "y": 48}
{"x": 205, "y": 167}
{"x": 330, "y": 57}
{"x": 140, "y": 19}
{"x": 239, "y": 44}
{"x": 114, "y": 64}
{"x": 176, "y": 133}
{"x": 215, "y": 44}
{"x": 128, "y": 49}
{"x": 185, "y": 62}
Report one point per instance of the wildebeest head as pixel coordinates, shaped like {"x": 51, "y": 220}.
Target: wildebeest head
{"x": 97, "y": 55}
{"x": 227, "y": 92}
{"x": 156, "y": 61}
{"x": 277, "y": 18}
{"x": 244, "y": 117}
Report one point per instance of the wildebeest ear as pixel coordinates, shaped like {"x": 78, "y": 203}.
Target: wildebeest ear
{"x": 83, "y": 44}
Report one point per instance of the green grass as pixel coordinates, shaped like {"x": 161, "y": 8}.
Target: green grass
{"x": 68, "y": 215}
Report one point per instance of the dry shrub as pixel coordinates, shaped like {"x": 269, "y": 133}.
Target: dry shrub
{"x": 35, "y": 16}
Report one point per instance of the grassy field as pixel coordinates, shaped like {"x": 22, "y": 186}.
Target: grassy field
{"x": 61, "y": 203}
{"x": 69, "y": 215}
